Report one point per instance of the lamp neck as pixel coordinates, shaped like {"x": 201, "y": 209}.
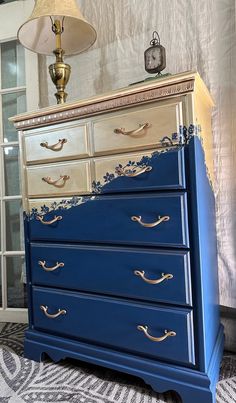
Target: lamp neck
{"x": 59, "y": 52}
{"x": 58, "y": 30}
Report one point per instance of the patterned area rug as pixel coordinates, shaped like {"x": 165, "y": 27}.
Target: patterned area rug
{"x": 25, "y": 381}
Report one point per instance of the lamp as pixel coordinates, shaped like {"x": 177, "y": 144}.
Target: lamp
{"x": 57, "y": 26}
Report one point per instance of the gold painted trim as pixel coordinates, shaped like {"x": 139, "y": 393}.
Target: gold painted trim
{"x": 157, "y": 89}
{"x": 106, "y": 105}
{"x": 42, "y": 263}
{"x": 167, "y": 334}
{"x": 132, "y": 173}
{"x": 150, "y": 225}
{"x": 55, "y": 219}
{"x": 132, "y": 132}
{"x": 158, "y": 281}
{"x": 55, "y": 183}
{"x": 60, "y": 312}
{"x": 54, "y": 147}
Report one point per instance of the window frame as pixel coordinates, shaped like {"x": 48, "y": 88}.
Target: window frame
{"x": 20, "y": 10}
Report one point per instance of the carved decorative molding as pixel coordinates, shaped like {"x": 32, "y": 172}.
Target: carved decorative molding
{"x": 99, "y": 106}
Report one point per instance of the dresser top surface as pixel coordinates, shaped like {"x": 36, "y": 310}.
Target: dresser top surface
{"x": 172, "y": 85}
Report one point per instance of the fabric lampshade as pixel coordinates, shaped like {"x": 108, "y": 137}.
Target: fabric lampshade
{"x": 36, "y": 33}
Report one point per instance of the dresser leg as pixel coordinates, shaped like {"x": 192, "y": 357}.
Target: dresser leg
{"x": 38, "y": 352}
{"x": 33, "y": 353}
{"x": 186, "y": 393}
{"x": 198, "y": 396}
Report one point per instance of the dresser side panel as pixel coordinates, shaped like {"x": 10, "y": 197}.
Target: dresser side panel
{"x": 28, "y": 271}
{"x": 204, "y": 251}
{"x": 203, "y": 118}
{"x": 199, "y": 111}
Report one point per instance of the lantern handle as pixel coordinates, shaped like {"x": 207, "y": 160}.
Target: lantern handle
{"x": 155, "y": 39}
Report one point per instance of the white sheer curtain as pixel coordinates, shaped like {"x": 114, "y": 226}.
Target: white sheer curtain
{"x": 197, "y": 34}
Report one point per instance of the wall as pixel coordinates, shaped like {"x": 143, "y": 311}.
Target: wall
{"x": 197, "y": 34}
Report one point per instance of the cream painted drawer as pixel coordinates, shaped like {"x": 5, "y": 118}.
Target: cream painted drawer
{"x": 56, "y": 143}
{"x": 124, "y": 132}
{"x": 62, "y": 179}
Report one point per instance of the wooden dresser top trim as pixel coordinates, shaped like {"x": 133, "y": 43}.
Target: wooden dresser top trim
{"x": 179, "y": 84}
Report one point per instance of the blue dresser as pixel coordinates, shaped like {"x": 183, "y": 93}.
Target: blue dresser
{"x": 120, "y": 234}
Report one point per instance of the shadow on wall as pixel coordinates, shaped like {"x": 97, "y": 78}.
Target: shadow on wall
{"x": 228, "y": 319}
{"x": 104, "y": 78}
{"x": 43, "y": 81}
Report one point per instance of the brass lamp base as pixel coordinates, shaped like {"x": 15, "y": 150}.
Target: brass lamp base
{"x": 60, "y": 74}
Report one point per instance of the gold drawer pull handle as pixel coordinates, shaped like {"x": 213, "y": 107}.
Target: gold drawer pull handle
{"x": 42, "y": 263}
{"x": 132, "y": 132}
{"x": 55, "y": 147}
{"x": 55, "y": 183}
{"x": 144, "y": 329}
{"x": 134, "y": 173}
{"x": 158, "y": 281}
{"x": 55, "y": 219}
{"x": 52, "y": 316}
{"x": 151, "y": 225}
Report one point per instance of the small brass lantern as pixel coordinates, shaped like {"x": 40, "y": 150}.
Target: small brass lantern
{"x": 57, "y": 26}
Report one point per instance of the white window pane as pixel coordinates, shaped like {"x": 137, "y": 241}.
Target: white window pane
{"x": 12, "y": 64}
{"x": 16, "y": 289}
{"x": 11, "y": 168}
{"x": 12, "y": 104}
{"x": 14, "y": 226}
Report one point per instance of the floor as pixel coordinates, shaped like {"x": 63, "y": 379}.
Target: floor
{"x": 22, "y": 380}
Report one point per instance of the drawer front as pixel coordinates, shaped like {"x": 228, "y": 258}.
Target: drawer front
{"x": 139, "y": 171}
{"x": 56, "y": 144}
{"x": 133, "y": 273}
{"x": 59, "y": 179}
{"x": 156, "y": 219}
{"x": 114, "y": 323}
{"x": 139, "y": 129}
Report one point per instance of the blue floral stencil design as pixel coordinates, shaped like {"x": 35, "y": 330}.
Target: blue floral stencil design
{"x": 170, "y": 144}
{"x": 131, "y": 166}
{"x": 167, "y": 144}
{"x": 167, "y": 141}
{"x": 108, "y": 177}
{"x": 60, "y": 205}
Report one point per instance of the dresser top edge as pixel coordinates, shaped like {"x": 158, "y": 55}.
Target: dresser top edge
{"x": 169, "y": 86}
